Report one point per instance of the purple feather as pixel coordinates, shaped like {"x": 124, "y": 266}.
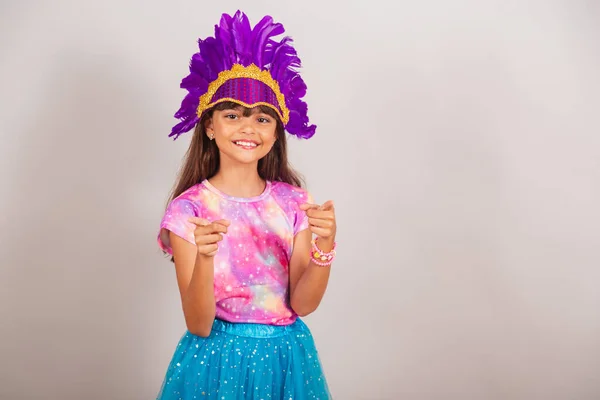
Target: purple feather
{"x": 198, "y": 66}
{"x": 242, "y": 32}
{"x": 261, "y": 34}
{"x": 184, "y": 126}
{"x": 284, "y": 57}
{"x": 194, "y": 81}
{"x": 297, "y": 86}
{"x": 224, "y": 35}
{"x": 212, "y": 57}
{"x": 225, "y": 38}
{"x": 189, "y": 104}
{"x": 298, "y": 123}
{"x": 299, "y": 128}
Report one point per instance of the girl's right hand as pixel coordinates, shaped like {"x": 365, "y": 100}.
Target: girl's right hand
{"x": 208, "y": 234}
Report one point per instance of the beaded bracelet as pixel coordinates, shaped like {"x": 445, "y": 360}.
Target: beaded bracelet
{"x": 321, "y": 258}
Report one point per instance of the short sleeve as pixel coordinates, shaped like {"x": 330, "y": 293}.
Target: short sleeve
{"x": 301, "y": 219}
{"x": 175, "y": 220}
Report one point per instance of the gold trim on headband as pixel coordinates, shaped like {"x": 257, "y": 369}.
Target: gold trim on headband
{"x": 244, "y": 104}
{"x": 239, "y": 71}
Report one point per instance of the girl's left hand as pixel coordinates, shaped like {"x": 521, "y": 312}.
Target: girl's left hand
{"x": 321, "y": 220}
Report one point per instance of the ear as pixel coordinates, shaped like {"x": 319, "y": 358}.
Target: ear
{"x": 208, "y": 126}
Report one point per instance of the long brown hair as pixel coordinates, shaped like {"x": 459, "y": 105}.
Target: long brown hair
{"x": 201, "y": 160}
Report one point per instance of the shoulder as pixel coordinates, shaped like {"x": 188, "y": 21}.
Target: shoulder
{"x": 290, "y": 198}
{"x": 192, "y": 194}
{"x": 195, "y": 194}
{"x": 189, "y": 201}
{"x": 290, "y": 194}
{"x": 176, "y": 217}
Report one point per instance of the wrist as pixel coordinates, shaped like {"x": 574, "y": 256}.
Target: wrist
{"x": 323, "y": 251}
{"x": 325, "y": 244}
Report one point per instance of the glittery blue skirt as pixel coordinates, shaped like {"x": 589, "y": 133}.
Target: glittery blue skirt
{"x": 241, "y": 361}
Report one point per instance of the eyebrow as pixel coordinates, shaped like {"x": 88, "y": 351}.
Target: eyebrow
{"x": 253, "y": 111}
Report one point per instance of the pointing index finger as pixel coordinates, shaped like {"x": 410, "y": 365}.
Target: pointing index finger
{"x": 198, "y": 221}
{"x": 308, "y": 206}
{"x": 327, "y": 206}
{"x": 223, "y": 222}
{"x": 204, "y": 222}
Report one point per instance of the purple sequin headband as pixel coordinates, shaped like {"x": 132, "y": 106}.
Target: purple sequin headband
{"x": 248, "y": 67}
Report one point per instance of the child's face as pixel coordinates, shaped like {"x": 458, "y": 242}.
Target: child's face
{"x": 243, "y": 139}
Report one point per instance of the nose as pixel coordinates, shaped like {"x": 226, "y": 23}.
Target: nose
{"x": 247, "y": 126}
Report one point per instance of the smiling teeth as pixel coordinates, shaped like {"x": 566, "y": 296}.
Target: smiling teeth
{"x": 247, "y": 144}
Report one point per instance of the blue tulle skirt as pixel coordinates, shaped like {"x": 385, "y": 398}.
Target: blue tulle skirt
{"x": 240, "y": 361}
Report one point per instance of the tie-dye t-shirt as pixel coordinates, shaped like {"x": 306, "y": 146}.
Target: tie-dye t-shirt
{"x": 251, "y": 265}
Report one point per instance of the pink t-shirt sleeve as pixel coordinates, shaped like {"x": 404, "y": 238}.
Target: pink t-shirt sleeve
{"x": 175, "y": 220}
{"x": 301, "y": 219}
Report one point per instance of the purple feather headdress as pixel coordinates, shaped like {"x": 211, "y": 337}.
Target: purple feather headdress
{"x": 248, "y": 67}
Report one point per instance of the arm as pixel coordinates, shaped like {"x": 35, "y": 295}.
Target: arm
{"x": 195, "y": 278}
{"x": 308, "y": 281}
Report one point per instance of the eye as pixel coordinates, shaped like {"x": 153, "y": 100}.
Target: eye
{"x": 231, "y": 116}
{"x": 263, "y": 120}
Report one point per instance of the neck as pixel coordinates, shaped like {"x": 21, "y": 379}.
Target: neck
{"x": 238, "y": 180}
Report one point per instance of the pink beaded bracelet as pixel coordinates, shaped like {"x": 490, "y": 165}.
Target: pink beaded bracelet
{"x": 321, "y": 258}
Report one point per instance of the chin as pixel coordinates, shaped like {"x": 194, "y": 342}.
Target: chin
{"x": 245, "y": 158}
{"x": 246, "y": 161}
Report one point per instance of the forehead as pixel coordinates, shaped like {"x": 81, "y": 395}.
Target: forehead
{"x": 245, "y": 110}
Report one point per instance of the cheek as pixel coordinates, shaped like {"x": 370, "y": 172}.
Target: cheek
{"x": 269, "y": 141}
{"x": 269, "y": 137}
{"x": 223, "y": 130}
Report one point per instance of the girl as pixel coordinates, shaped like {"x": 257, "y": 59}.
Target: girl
{"x": 239, "y": 225}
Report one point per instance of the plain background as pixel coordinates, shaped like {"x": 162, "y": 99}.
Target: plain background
{"x": 459, "y": 139}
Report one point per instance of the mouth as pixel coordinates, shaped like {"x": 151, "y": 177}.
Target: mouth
{"x": 245, "y": 144}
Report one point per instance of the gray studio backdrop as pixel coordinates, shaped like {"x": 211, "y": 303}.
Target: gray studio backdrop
{"x": 459, "y": 139}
